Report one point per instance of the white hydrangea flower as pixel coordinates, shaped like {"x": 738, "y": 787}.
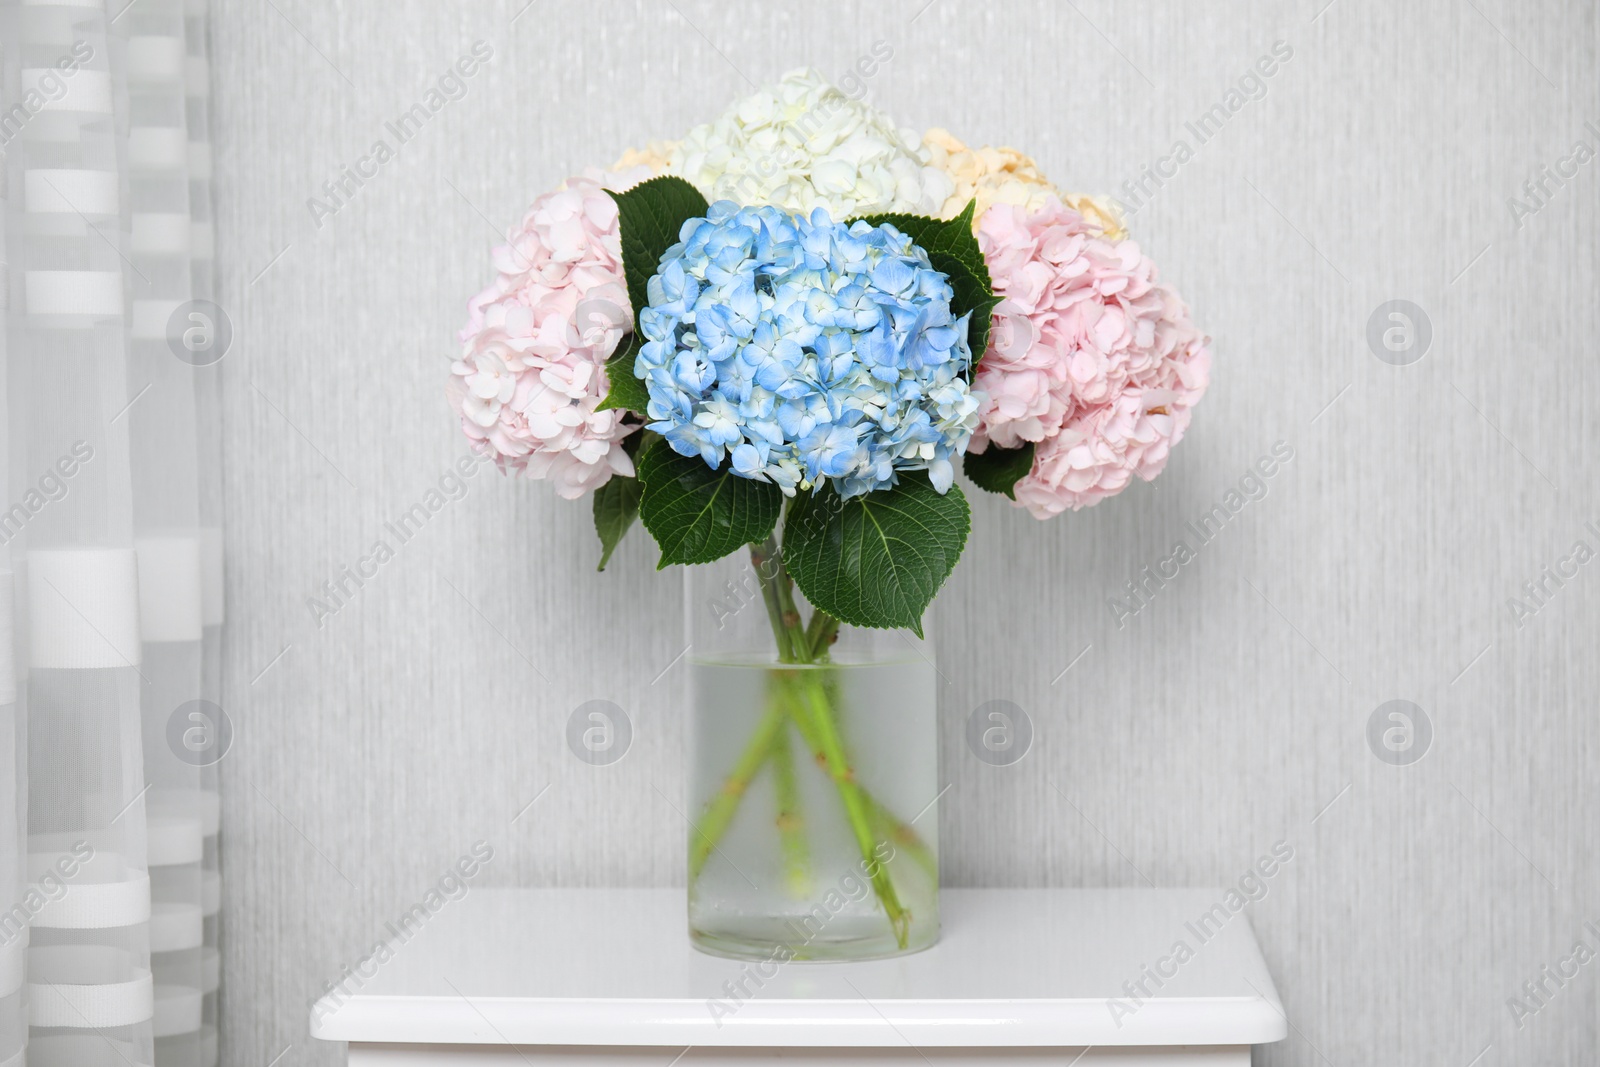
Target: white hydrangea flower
{"x": 803, "y": 144}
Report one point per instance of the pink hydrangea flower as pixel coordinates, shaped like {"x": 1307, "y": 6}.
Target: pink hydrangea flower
{"x": 1091, "y": 358}
{"x": 532, "y": 365}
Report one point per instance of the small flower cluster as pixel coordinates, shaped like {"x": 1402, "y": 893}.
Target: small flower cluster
{"x": 532, "y": 366}
{"x": 803, "y": 144}
{"x": 803, "y": 349}
{"x": 1092, "y": 358}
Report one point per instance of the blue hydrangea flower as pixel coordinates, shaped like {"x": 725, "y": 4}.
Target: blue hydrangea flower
{"x": 802, "y": 350}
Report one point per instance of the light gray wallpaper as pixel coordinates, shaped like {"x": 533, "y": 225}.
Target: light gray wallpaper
{"x": 1228, "y": 712}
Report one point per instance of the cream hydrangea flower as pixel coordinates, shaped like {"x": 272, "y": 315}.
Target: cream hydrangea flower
{"x": 1100, "y": 212}
{"x": 1005, "y": 176}
{"x": 803, "y": 144}
{"x": 654, "y": 155}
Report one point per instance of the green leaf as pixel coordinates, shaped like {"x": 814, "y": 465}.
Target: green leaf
{"x": 627, "y": 392}
{"x": 649, "y": 217}
{"x": 878, "y": 559}
{"x": 998, "y": 469}
{"x": 616, "y": 505}
{"x": 954, "y": 252}
{"x": 697, "y": 514}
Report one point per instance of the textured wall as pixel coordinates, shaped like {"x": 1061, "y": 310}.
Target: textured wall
{"x": 1228, "y": 713}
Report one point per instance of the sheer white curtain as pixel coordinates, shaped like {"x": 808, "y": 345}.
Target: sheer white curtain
{"x": 208, "y": 432}
{"x": 112, "y": 564}
{"x": 13, "y": 719}
{"x": 13, "y": 800}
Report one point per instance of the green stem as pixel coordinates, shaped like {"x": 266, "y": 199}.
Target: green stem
{"x": 821, "y": 633}
{"x": 791, "y": 824}
{"x": 816, "y": 706}
{"x": 789, "y": 614}
{"x": 767, "y": 562}
{"x": 901, "y": 833}
{"x": 720, "y": 811}
{"x": 904, "y": 837}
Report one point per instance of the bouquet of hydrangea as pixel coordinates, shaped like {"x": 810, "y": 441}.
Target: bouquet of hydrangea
{"x": 783, "y": 333}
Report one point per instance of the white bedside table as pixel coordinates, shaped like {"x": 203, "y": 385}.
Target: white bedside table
{"x": 607, "y": 978}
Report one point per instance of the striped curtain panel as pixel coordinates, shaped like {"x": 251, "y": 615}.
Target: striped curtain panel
{"x": 110, "y": 573}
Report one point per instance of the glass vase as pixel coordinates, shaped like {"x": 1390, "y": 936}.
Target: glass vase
{"x": 813, "y": 776}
